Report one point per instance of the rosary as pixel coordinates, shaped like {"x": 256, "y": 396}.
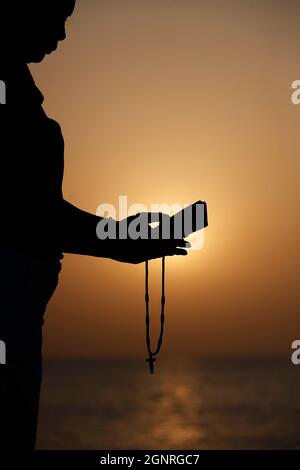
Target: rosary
{"x": 190, "y": 220}
{"x": 152, "y": 354}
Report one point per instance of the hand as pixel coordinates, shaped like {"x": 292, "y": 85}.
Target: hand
{"x": 138, "y": 251}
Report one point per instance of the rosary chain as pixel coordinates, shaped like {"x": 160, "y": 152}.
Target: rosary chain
{"x": 151, "y": 359}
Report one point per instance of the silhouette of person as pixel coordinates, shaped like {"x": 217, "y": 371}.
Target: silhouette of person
{"x": 38, "y": 225}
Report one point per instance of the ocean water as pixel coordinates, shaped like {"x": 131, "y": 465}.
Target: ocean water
{"x": 188, "y": 404}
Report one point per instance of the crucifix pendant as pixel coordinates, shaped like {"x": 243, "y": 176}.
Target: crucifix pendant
{"x": 151, "y": 359}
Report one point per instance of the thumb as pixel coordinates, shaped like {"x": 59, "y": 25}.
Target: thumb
{"x": 133, "y": 217}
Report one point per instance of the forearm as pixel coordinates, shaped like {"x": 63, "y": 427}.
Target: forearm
{"x": 79, "y": 236}
{"x": 78, "y": 232}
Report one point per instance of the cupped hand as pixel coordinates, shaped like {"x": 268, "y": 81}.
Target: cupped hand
{"x": 140, "y": 250}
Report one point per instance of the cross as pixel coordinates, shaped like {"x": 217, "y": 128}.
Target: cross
{"x": 151, "y": 359}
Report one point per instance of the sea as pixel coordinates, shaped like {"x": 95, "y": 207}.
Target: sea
{"x": 188, "y": 403}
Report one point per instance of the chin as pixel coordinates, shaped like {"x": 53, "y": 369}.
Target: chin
{"x": 36, "y": 58}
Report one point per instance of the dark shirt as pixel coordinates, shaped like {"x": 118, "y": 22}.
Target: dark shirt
{"x": 32, "y": 165}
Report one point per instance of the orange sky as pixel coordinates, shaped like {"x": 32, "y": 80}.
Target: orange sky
{"x": 172, "y": 101}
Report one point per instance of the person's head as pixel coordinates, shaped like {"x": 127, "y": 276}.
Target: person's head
{"x": 33, "y": 28}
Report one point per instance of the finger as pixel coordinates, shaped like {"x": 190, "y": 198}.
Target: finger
{"x": 178, "y": 252}
{"x": 188, "y": 245}
{"x": 132, "y": 217}
{"x": 181, "y": 252}
{"x": 182, "y": 243}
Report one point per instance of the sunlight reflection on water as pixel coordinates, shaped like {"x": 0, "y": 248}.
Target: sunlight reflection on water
{"x": 111, "y": 404}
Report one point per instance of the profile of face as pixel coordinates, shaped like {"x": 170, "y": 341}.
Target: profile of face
{"x": 40, "y": 27}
